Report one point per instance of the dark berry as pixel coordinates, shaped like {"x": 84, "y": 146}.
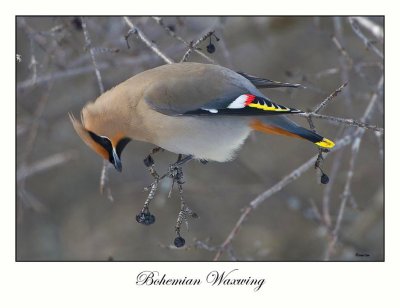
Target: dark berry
{"x": 179, "y": 242}
{"x": 150, "y": 219}
{"x": 140, "y": 218}
{"x": 211, "y": 48}
{"x": 77, "y": 23}
{"x": 324, "y": 179}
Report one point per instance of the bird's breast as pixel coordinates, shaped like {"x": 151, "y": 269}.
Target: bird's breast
{"x": 210, "y": 138}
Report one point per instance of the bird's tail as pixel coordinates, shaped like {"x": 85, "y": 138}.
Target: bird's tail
{"x": 281, "y": 125}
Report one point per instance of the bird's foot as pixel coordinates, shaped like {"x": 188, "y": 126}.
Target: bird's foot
{"x": 145, "y": 217}
{"x": 174, "y": 172}
{"x": 149, "y": 161}
{"x": 183, "y": 215}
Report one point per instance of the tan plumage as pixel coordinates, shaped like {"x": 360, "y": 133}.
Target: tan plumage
{"x": 160, "y": 105}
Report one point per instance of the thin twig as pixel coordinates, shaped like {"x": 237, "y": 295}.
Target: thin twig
{"x": 294, "y": 175}
{"x": 337, "y": 161}
{"x": 104, "y": 181}
{"x": 80, "y": 70}
{"x": 33, "y": 63}
{"x": 135, "y": 30}
{"x": 311, "y": 123}
{"x": 342, "y": 50}
{"x": 160, "y": 21}
{"x": 345, "y": 61}
{"x": 354, "y": 153}
{"x": 104, "y": 184}
{"x": 89, "y": 46}
{"x": 348, "y": 122}
{"x": 347, "y": 188}
{"x": 367, "y": 42}
{"x": 218, "y": 27}
{"x": 30, "y": 200}
{"x": 193, "y": 45}
{"x": 47, "y": 163}
{"x": 327, "y": 72}
{"x": 316, "y": 211}
{"x": 371, "y": 26}
{"x": 324, "y": 103}
{"x": 170, "y": 32}
{"x": 33, "y": 128}
{"x": 380, "y": 144}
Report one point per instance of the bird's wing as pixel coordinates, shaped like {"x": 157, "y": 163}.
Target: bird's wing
{"x": 210, "y": 92}
{"x": 243, "y": 105}
{"x": 267, "y": 83}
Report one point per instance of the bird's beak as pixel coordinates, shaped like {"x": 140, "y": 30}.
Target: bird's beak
{"x": 117, "y": 161}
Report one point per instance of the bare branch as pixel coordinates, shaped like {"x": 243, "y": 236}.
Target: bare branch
{"x": 380, "y": 144}
{"x": 316, "y": 211}
{"x": 346, "y": 195}
{"x": 337, "y": 161}
{"x": 193, "y": 46}
{"x": 33, "y": 63}
{"x": 342, "y": 50}
{"x": 172, "y": 33}
{"x": 294, "y": 175}
{"x": 104, "y": 181}
{"x": 160, "y": 21}
{"x": 135, "y": 30}
{"x": 80, "y": 70}
{"x": 29, "y": 200}
{"x": 324, "y": 103}
{"x": 346, "y": 192}
{"x": 104, "y": 185}
{"x": 34, "y": 125}
{"x": 49, "y": 162}
{"x": 348, "y": 122}
{"x": 345, "y": 61}
{"x": 89, "y": 46}
{"x": 327, "y": 72}
{"x": 355, "y": 26}
{"x": 371, "y": 26}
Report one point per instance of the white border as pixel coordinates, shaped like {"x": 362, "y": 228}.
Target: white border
{"x": 113, "y": 284}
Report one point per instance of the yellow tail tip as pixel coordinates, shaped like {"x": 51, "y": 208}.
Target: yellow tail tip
{"x": 325, "y": 143}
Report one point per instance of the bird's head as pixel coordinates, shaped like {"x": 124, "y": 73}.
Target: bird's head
{"x": 101, "y": 136}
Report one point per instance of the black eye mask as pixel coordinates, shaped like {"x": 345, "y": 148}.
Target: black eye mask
{"x": 121, "y": 145}
{"x": 103, "y": 141}
{"x": 106, "y": 144}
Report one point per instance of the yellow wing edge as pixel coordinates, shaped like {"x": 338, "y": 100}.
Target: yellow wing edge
{"x": 325, "y": 143}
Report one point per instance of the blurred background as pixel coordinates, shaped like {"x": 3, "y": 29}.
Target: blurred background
{"x": 60, "y": 213}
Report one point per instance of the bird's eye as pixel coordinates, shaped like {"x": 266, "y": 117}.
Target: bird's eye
{"x": 103, "y": 141}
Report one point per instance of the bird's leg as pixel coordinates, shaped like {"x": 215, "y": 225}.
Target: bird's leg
{"x": 182, "y": 217}
{"x": 145, "y": 217}
{"x": 149, "y": 162}
{"x": 176, "y": 174}
{"x": 175, "y": 171}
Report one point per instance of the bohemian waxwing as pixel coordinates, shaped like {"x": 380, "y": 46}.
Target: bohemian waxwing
{"x": 202, "y": 110}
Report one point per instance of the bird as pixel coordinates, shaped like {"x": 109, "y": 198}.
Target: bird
{"x": 204, "y": 111}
